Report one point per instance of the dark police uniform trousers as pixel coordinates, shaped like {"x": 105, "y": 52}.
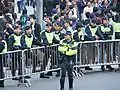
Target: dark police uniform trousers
{"x": 66, "y": 64}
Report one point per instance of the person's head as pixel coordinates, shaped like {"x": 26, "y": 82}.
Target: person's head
{"x": 58, "y": 26}
{"x": 54, "y": 10}
{"x": 67, "y": 23}
{"x": 87, "y": 14}
{"x": 105, "y": 20}
{"x": 68, "y": 35}
{"x": 19, "y": 24}
{"x": 48, "y": 27}
{"x": 79, "y": 26}
{"x": 62, "y": 14}
{"x": 95, "y": 9}
{"x": 93, "y": 22}
{"x": 1, "y": 35}
{"x": 28, "y": 30}
{"x": 57, "y": 18}
{"x": 32, "y": 18}
{"x": 24, "y": 11}
{"x": 17, "y": 30}
{"x": 6, "y": 10}
{"x": 89, "y": 4}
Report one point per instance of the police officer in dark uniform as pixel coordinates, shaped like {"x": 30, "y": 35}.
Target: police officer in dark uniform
{"x": 107, "y": 32}
{"x": 15, "y": 44}
{"x": 68, "y": 50}
{"x": 28, "y": 40}
{"x": 48, "y": 38}
{"x": 3, "y": 48}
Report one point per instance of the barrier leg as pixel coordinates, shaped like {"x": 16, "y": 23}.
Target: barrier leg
{"x": 22, "y": 80}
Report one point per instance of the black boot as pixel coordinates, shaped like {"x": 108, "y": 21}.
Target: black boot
{"x": 49, "y": 74}
{"x": 102, "y": 68}
{"x": 110, "y": 67}
{"x": 70, "y": 84}
{"x": 2, "y": 83}
{"x": 62, "y": 81}
{"x": 88, "y": 68}
{"x": 42, "y": 75}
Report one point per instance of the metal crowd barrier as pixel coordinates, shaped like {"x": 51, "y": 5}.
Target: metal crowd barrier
{"x": 44, "y": 59}
{"x": 11, "y": 64}
{"x": 97, "y": 53}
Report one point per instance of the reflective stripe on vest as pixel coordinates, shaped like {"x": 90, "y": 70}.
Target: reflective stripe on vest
{"x": 17, "y": 40}
{"x": 57, "y": 37}
{"x": 49, "y": 37}
{"x": 5, "y": 49}
{"x": 105, "y": 29}
{"x": 71, "y": 52}
{"x": 93, "y": 30}
{"x": 28, "y": 41}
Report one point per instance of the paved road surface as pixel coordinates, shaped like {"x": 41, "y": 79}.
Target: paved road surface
{"x": 91, "y": 81}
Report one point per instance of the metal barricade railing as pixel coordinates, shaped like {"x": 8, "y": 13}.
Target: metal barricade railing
{"x": 97, "y": 53}
{"x": 10, "y": 64}
{"x": 44, "y": 59}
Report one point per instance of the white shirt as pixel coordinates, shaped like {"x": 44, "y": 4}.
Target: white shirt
{"x": 87, "y": 9}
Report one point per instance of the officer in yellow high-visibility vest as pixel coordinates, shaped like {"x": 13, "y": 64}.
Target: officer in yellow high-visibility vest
{"x": 68, "y": 51}
{"x": 78, "y": 34}
{"x": 29, "y": 40}
{"x": 3, "y": 50}
{"x": 107, "y": 32}
{"x": 116, "y": 26}
{"x": 92, "y": 34}
{"x": 15, "y": 44}
{"x": 48, "y": 38}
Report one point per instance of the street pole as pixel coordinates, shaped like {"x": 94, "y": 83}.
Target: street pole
{"x": 39, "y": 11}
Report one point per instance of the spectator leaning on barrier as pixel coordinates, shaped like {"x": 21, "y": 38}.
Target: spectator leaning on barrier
{"x": 107, "y": 32}
{"x": 68, "y": 50}
{"x": 15, "y": 44}
{"x": 3, "y": 49}
{"x": 36, "y": 28}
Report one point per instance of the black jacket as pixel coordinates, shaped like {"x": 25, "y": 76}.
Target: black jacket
{"x": 37, "y": 30}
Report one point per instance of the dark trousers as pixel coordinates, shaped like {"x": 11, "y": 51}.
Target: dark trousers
{"x": 50, "y": 54}
{"x": 16, "y": 63}
{"x": 1, "y": 70}
{"x": 67, "y": 66}
{"x": 19, "y": 6}
{"x": 33, "y": 56}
